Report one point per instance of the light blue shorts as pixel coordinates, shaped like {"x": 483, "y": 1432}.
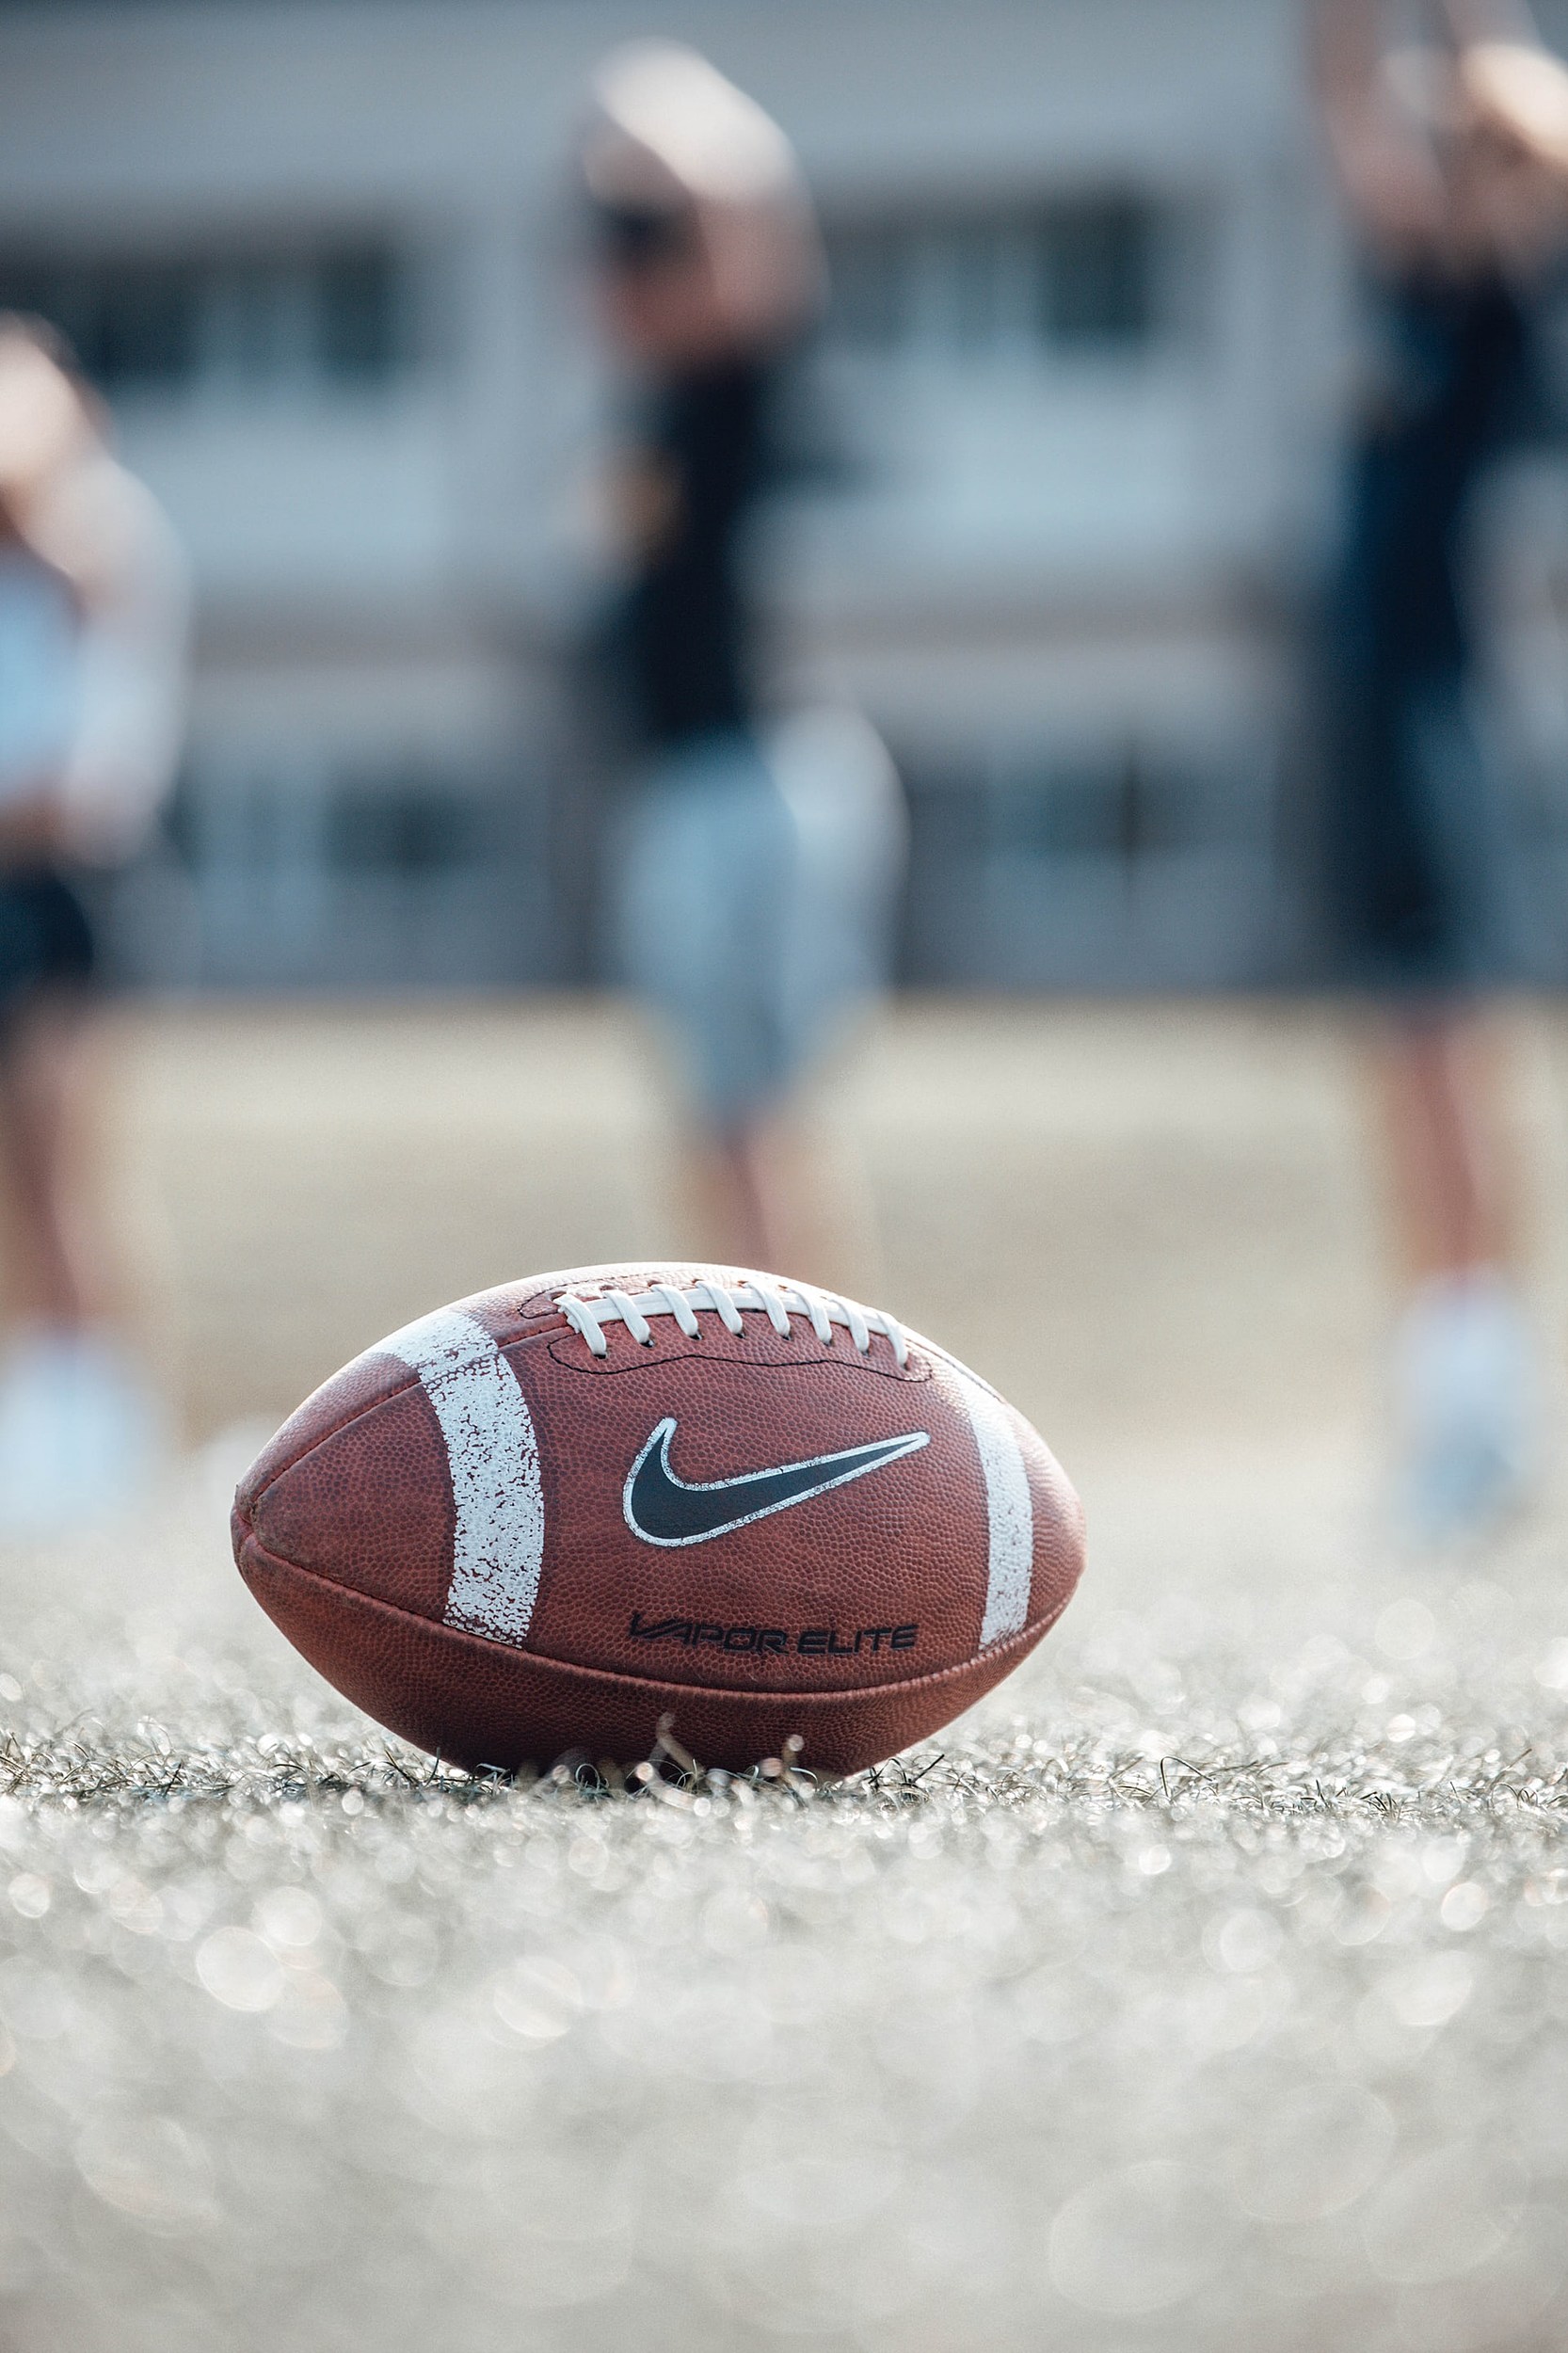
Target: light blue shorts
{"x": 753, "y": 890}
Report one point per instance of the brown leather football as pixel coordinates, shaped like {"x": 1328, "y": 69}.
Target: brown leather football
{"x": 545, "y": 1518}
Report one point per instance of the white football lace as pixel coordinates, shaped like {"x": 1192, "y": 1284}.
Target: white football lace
{"x": 776, "y": 1300}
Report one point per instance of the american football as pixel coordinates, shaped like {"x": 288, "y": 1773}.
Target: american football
{"x": 560, "y": 1513}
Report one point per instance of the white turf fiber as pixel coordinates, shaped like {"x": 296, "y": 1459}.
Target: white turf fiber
{"x": 1209, "y": 1988}
{"x": 1207, "y": 1991}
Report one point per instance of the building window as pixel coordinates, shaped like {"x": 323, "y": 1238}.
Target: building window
{"x": 1096, "y": 273}
{"x": 1118, "y": 811}
{"x": 404, "y": 826}
{"x": 322, "y": 319}
{"x": 1075, "y": 275}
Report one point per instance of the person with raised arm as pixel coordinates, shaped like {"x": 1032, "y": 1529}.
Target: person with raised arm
{"x": 755, "y": 857}
{"x": 1453, "y": 157}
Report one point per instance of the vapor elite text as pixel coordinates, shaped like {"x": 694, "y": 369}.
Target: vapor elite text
{"x": 810, "y": 1642}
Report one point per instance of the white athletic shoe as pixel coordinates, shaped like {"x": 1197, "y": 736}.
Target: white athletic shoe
{"x": 1466, "y": 1399}
{"x": 80, "y": 1432}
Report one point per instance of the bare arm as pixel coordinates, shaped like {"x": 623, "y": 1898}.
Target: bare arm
{"x": 1519, "y": 95}
{"x": 1385, "y": 164}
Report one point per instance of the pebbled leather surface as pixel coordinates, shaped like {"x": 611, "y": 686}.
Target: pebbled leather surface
{"x": 370, "y": 1505}
{"x": 353, "y": 1497}
{"x": 479, "y": 1704}
{"x": 359, "y": 1387}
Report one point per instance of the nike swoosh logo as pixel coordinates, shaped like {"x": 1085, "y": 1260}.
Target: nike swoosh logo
{"x": 663, "y": 1509}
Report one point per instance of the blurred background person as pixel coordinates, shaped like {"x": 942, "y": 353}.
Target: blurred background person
{"x": 755, "y": 862}
{"x": 91, "y": 661}
{"x": 1452, "y": 155}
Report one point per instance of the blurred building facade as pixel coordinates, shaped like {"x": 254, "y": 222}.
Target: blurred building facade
{"x": 1089, "y": 332}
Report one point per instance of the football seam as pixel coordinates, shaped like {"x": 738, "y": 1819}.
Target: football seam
{"x": 418, "y": 1381}
{"x": 1025, "y": 1639}
{"x": 415, "y": 1381}
{"x": 597, "y": 1370}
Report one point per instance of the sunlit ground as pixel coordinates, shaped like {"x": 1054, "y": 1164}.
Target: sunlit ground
{"x": 1204, "y": 1989}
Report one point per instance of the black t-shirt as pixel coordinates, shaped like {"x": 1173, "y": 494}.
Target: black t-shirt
{"x": 1452, "y": 382}
{"x": 684, "y": 637}
{"x": 1450, "y": 388}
